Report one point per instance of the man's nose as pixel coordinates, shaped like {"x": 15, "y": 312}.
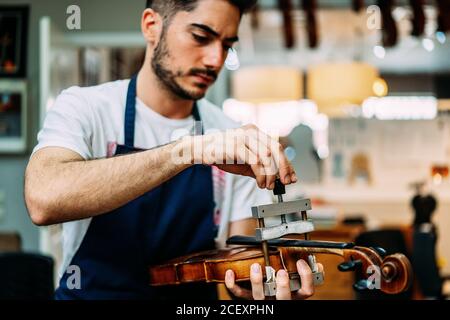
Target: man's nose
{"x": 214, "y": 57}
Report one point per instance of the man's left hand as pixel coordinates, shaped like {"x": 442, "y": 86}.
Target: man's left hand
{"x": 283, "y": 291}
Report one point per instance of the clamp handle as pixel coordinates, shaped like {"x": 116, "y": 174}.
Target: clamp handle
{"x": 279, "y": 188}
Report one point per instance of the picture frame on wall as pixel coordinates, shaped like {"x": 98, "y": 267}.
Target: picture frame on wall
{"x": 13, "y": 41}
{"x": 13, "y": 115}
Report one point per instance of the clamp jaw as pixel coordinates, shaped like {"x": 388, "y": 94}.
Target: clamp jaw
{"x": 264, "y": 234}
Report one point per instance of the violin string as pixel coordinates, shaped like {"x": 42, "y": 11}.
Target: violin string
{"x": 282, "y": 261}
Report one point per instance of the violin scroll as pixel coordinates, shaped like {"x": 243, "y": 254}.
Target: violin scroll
{"x": 397, "y": 273}
{"x": 391, "y": 274}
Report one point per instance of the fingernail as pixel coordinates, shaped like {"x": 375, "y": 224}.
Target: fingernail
{"x": 228, "y": 274}
{"x": 287, "y": 179}
{"x": 256, "y": 268}
{"x": 282, "y": 273}
{"x": 303, "y": 264}
{"x": 294, "y": 178}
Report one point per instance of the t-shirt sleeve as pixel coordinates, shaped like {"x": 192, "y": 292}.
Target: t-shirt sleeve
{"x": 246, "y": 194}
{"x": 68, "y": 124}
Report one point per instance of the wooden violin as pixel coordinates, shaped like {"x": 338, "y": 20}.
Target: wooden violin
{"x": 391, "y": 274}
{"x": 272, "y": 249}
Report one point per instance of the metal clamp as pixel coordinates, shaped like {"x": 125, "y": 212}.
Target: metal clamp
{"x": 281, "y": 208}
{"x": 275, "y": 232}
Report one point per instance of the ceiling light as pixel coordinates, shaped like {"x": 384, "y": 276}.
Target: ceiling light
{"x": 440, "y": 36}
{"x": 379, "y": 52}
{"x": 401, "y": 108}
{"x": 380, "y": 87}
{"x": 428, "y": 44}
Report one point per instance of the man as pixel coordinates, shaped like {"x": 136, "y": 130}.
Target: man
{"x": 106, "y": 163}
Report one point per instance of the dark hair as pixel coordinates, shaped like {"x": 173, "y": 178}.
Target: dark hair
{"x": 168, "y": 8}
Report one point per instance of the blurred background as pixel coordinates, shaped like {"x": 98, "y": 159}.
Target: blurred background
{"x": 357, "y": 91}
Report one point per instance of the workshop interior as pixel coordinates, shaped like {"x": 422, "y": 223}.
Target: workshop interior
{"x": 356, "y": 91}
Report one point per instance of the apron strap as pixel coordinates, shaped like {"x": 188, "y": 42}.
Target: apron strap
{"x": 130, "y": 113}
{"x": 198, "y": 125}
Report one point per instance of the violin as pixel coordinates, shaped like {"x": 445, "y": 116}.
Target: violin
{"x": 391, "y": 274}
{"x": 276, "y": 248}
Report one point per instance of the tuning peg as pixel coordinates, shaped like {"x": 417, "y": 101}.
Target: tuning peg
{"x": 361, "y": 285}
{"x": 380, "y": 251}
{"x": 349, "y": 265}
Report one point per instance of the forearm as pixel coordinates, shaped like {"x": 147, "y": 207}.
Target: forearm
{"x": 72, "y": 190}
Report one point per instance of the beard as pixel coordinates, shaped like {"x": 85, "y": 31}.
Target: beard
{"x": 168, "y": 77}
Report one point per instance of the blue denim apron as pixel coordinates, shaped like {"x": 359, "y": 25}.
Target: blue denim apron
{"x": 171, "y": 220}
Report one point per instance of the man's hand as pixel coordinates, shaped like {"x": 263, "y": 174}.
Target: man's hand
{"x": 245, "y": 151}
{"x": 282, "y": 280}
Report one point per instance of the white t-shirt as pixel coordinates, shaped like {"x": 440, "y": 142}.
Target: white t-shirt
{"x": 90, "y": 122}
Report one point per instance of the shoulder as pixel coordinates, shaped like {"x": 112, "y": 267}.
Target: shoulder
{"x": 214, "y": 117}
{"x": 90, "y": 106}
{"x": 99, "y": 94}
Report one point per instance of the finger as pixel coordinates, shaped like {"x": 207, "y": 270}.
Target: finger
{"x": 259, "y": 173}
{"x": 321, "y": 269}
{"x": 306, "y": 279}
{"x": 264, "y": 156}
{"x": 243, "y": 155}
{"x": 283, "y": 288}
{"x": 265, "y": 149}
{"x": 258, "y": 143}
{"x": 284, "y": 167}
{"x": 256, "y": 279}
{"x": 234, "y": 288}
{"x": 206, "y": 156}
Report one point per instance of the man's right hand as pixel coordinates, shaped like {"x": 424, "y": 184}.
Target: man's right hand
{"x": 245, "y": 151}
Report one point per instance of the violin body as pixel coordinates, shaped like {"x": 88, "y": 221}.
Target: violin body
{"x": 394, "y": 271}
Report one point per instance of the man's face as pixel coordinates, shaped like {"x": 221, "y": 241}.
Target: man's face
{"x": 194, "y": 46}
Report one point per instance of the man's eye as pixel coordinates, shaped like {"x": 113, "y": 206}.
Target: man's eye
{"x": 200, "y": 39}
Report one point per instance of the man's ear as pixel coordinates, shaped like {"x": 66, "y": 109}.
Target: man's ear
{"x": 151, "y": 25}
